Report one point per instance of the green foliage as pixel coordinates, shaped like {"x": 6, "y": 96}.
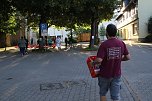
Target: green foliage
{"x": 7, "y": 17}
{"x": 61, "y": 13}
{"x": 117, "y": 34}
{"x": 80, "y": 30}
{"x": 65, "y": 13}
{"x": 10, "y": 25}
{"x": 95, "y": 48}
{"x": 148, "y": 38}
{"x": 74, "y": 40}
{"x": 102, "y": 31}
{"x": 150, "y": 25}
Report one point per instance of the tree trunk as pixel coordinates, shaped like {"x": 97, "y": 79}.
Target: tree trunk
{"x": 5, "y": 42}
{"x": 96, "y": 32}
{"x": 92, "y": 33}
{"x": 40, "y": 34}
{"x": 71, "y": 37}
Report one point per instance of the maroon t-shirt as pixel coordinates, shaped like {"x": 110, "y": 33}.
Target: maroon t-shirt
{"x": 111, "y": 52}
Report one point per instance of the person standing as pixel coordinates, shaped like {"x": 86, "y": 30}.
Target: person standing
{"x": 22, "y": 46}
{"x": 31, "y": 41}
{"x": 58, "y": 42}
{"x": 66, "y": 42}
{"x": 49, "y": 41}
{"x": 26, "y": 45}
{"x": 109, "y": 56}
{"x": 41, "y": 43}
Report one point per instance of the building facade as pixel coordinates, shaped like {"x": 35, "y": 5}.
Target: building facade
{"x": 133, "y": 19}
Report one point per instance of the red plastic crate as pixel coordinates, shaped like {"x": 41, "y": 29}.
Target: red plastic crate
{"x": 94, "y": 71}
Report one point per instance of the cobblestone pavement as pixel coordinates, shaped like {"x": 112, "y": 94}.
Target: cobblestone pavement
{"x": 51, "y": 76}
{"x": 138, "y": 70}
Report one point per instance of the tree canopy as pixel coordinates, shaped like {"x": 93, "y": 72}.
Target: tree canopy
{"x": 65, "y": 13}
{"x": 7, "y": 17}
{"x": 61, "y": 13}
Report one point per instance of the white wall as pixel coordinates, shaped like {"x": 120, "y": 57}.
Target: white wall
{"x": 32, "y": 35}
{"x": 55, "y": 32}
{"x": 51, "y": 32}
{"x": 144, "y": 13}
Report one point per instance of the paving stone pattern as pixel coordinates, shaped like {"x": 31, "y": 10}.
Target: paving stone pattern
{"x": 51, "y": 76}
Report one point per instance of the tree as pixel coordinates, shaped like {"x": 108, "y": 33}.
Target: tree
{"x": 7, "y": 17}
{"x": 8, "y": 21}
{"x": 80, "y": 30}
{"x": 148, "y": 38}
{"x": 95, "y": 11}
{"x": 67, "y": 13}
{"x": 102, "y": 31}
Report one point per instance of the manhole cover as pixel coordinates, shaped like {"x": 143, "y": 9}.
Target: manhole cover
{"x": 64, "y": 84}
{"x": 73, "y": 83}
{"x": 51, "y": 86}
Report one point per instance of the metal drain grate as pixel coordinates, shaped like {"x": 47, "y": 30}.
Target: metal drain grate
{"x": 64, "y": 84}
{"x": 51, "y": 86}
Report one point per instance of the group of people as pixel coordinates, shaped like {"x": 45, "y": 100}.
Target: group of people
{"x": 49, "y": 42}
{"x": 42, "y": 41}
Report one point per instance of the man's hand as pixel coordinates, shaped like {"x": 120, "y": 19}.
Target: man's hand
{"x": 125, "y": 57}
{"x": 96, "y": 62}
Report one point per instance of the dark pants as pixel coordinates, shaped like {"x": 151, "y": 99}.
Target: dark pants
{"x": 22, "y": 50}
{"x": 26, "y": 48}
{"x": 66, "y": 45}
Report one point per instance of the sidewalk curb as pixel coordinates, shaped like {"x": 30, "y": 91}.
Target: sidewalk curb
{"x": 130, "y": 89}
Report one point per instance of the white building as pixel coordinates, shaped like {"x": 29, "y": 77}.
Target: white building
{"x": 52, "y": 31}
{"x": 133, "y": 19}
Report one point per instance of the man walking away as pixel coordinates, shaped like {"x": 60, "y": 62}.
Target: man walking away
{"x": 109, "y": 56}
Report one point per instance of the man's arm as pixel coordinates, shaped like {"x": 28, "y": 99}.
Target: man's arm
{"x": 125, "y": 57}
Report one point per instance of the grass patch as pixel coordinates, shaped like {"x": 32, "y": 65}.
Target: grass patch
{"x": 95, "y": 48}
